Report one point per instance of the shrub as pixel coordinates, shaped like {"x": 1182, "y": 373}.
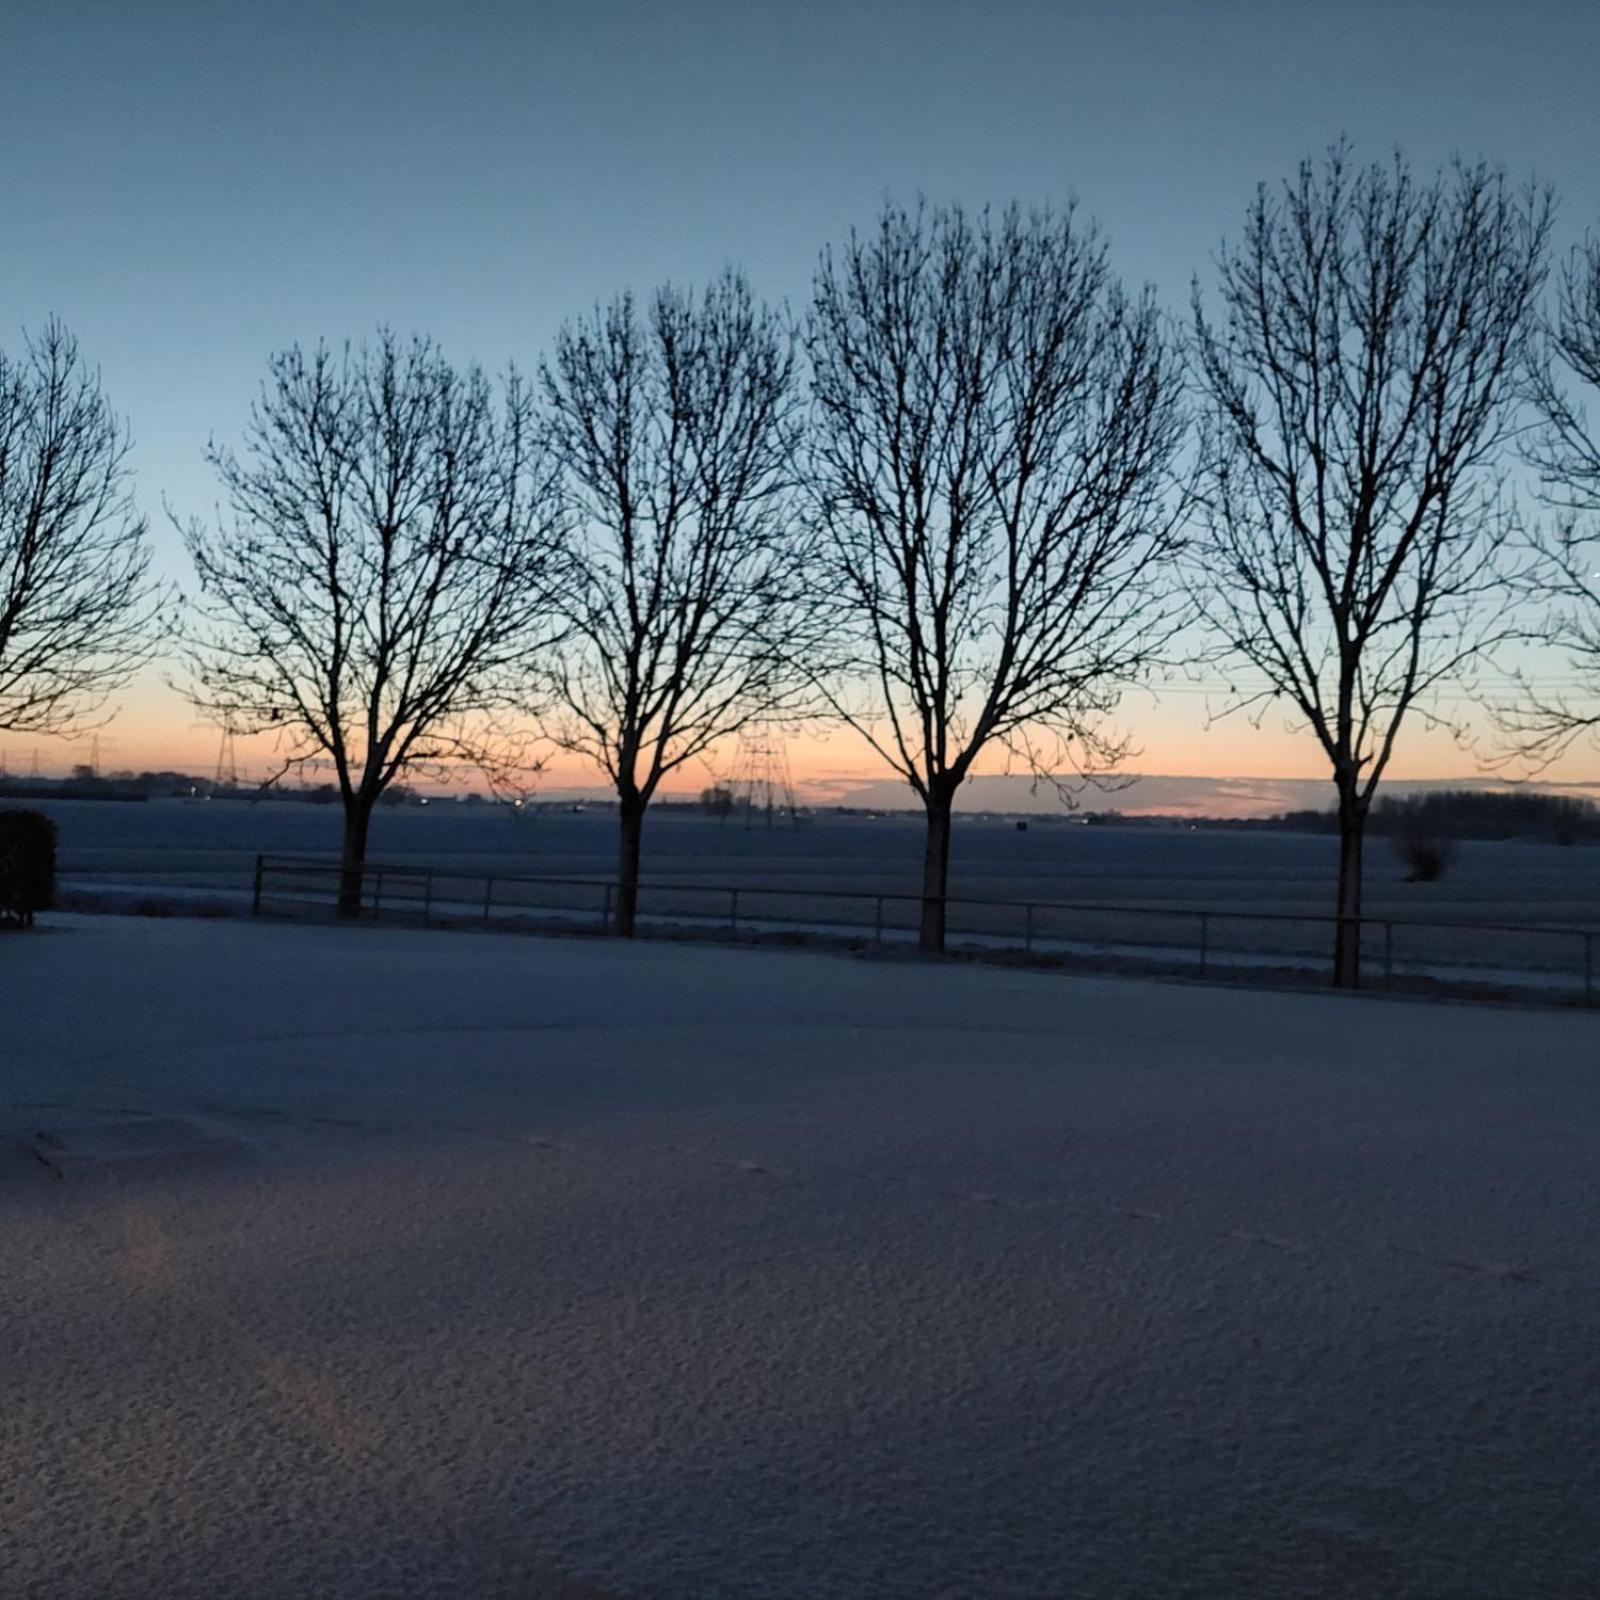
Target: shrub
{"x": 27, "y": 865}
{"x": 1421, "y": 836}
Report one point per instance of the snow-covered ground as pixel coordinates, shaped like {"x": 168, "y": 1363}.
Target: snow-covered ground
{"x": 360, "y": 1263}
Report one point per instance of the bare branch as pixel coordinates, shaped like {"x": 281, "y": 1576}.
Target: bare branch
{"x": 79, "y": 610}
{"x": 1565, "y": 575}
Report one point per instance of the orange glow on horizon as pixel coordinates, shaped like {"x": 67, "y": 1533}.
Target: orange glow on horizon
{"x": 155, "y": 730}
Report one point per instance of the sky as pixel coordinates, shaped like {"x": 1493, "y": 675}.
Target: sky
{"x": 192, "y": 186}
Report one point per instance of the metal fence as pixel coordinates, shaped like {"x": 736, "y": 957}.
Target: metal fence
{"x": 1553, "y": 961}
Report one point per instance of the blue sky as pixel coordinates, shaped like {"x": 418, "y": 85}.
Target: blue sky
{"x": 193, "y": 185}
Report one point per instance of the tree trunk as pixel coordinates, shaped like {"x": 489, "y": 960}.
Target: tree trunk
{"x": 353, "y": 857}
{"x": 630, "y": 811}
{"x": 935, "y": 874}
{"x": 1347, "y": 934}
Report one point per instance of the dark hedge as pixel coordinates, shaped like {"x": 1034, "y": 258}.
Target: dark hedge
{"x": 27, "y": 865}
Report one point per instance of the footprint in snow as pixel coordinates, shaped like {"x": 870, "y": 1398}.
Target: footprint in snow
{"x": 1495, "y": 1269}
{"x": 1271, "y": 1239}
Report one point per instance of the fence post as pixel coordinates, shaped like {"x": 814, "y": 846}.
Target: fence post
{"x": 377, "y": 896}
{"x": 605, "y": 913}
{"x": 255, "y": 895}
{"x": 1588, "y": 969}
{"x": 427, "y": 897}
{"x": 877, "y": 924}
{"x": 1027, "y": 928}
{"x": 733, "y": 913}
{"x": 1388, "y": 954}
{"x": 488, "y": 892}
{"x": 1205, "y": 941}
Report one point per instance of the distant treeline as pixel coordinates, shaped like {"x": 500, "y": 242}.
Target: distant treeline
{"x": 1461, "y": 814}
{"x": 84, "y": 784}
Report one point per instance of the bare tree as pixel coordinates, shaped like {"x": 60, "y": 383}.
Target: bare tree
{"x": 994, "y": 425}
{"x": 1358, "y": 389}
{"x": 689, "y": 590}
{"x": 379, "y": 587}
{"x": 1565, "y": 453}
{"x": 78, "y": 606}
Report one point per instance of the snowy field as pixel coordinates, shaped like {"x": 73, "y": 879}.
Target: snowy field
{"x": 361, "y": 1263}
{"x": 201, "y": 844}
{"x": 1114, "y": 897}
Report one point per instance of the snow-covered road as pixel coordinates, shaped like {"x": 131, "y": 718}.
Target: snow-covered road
{"x": 360, "y": 1263}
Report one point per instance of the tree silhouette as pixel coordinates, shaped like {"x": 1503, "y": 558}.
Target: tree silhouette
{"x": 1565, "y": 453}
{"x": 993, "y": 428}
{"x": 379, "y": 590}
{"x": 1359, "y": 384}
{"x": 78, "y": 606}
{"x": 688, "y": 592}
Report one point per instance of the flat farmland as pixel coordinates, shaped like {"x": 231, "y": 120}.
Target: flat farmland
{"x": 841, "y": 862}
{"x": 213, "y": 845}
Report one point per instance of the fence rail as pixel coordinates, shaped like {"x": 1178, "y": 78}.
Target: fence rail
{"x": 1556, "y": 960}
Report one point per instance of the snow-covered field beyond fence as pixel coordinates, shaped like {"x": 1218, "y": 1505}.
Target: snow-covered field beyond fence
{"x": 371, "y": 1262}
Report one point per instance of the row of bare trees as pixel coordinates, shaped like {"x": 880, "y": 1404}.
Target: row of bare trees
{"x": 974, "y": 496}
